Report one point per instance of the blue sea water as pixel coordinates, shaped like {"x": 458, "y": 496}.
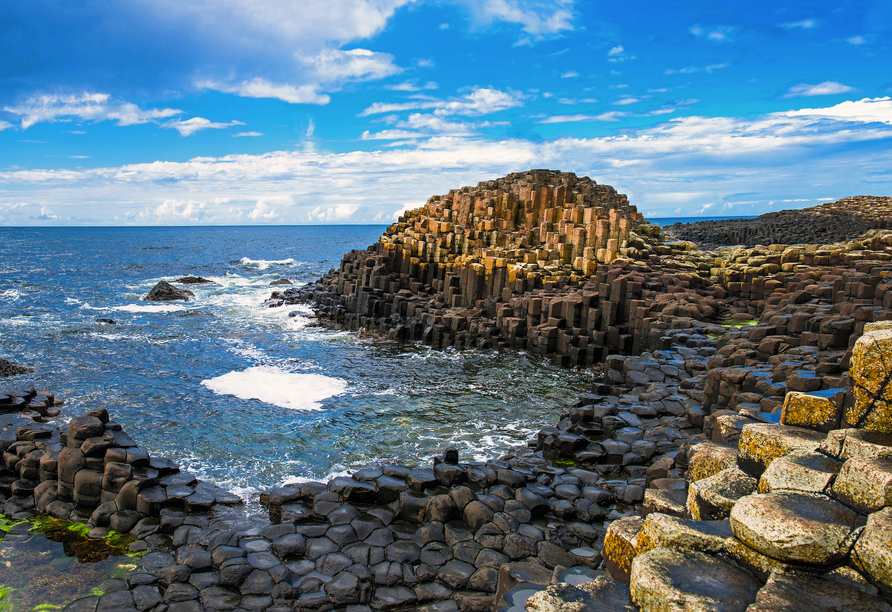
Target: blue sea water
{"x": 245, "y": 396}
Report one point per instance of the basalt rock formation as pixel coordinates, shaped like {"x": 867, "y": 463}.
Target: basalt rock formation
{"x": 844, "y": 219}
{"x": 165, "y": 292}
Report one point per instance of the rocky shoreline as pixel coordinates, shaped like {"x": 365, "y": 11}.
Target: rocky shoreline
{"x": 740, "y": 429}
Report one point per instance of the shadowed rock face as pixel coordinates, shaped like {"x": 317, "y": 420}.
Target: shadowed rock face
{"x": 165, "y": 292}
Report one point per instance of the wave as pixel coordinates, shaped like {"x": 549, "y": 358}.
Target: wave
{"x": 273, "y": 385}
{"x": 149, "y": 308}
{"x": 263, "y": 264}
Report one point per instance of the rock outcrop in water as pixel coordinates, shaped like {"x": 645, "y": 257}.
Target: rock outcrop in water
{"x": 11, "y": 368}
{"x": 165, "y": 292}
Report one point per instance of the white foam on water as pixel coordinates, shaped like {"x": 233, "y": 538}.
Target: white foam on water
{"x": 11, "y": 295}
{"x": 273, "y": 385}
{"x": 264, "y": 264}
{"x": 149, "y": 308}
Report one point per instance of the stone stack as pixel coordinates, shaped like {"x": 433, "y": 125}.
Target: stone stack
{"x": 94, "y": 473}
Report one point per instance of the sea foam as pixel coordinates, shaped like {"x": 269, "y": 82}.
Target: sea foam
{"x": 263, "y": 264}
{"x": 149, "y": 308}
{"x": 273, "y": 385}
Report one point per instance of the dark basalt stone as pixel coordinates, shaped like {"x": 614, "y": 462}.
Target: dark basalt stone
{"x": 165, "y": 292}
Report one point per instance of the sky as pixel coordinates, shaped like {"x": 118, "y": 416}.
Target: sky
{"x": 228, "y": 112}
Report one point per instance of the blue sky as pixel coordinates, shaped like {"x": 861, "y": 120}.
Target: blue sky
{"x": 181, "y": 112}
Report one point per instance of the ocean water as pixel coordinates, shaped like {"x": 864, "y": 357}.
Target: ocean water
{"x": 245, "y": 396}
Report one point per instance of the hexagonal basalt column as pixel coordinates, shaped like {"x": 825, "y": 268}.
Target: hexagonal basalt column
{"x": 795, "y": 527}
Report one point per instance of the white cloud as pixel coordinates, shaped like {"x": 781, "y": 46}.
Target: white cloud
{"x": 570, "y": 75}
{"x": 868, "y": 110}
{"x": 5, "y": 125}
{"x": 481, "y": 101}
{"x": 84, "y": 107}
{"x": 692, "y": 69}
{"x": 179, "y": 210}
{"x": 627, "y": 100}
{"x": 243, "y": 134}
{"x": 444, "y": 26}
{"x": 336, "y": 65}
{"x": 576, "y": 101}
{"x": 609, "y": 116}
{"x": 618, "y": 54}
{"x": 537, "y": 18}
{"x": 390, "y": 135}
{"x": 805, "y": 24}
{"x": 263, "y": 211}
{"x": 821, "y": 89}
{"x": 857, "y": 40}
{"x": 411, "y": 86}
{"x": 340, "y": 212}
{"x": 774, "y": 156}
{"x": 715, "y": 33}
{"x": 195, "y": 124}
{"x": 261, "y": 88}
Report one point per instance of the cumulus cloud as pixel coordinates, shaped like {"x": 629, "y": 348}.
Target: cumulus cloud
{"x": 86, "y": 106}
{"x": 857, "y": 40}
{"x": 821, "y": 89}
{"x": 710, "y": 156}
{"x": 196, "y": 124}
{"x": 481, "y": 101}
{"x": 339, "y": 212}
{"x": 263, "y": 211}
{"x": 570, "y": 75}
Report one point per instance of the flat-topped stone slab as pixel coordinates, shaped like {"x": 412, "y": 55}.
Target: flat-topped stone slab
{"x": 671, "y": 579}
{"x": 762, "y": 443}
{"x": 660, "y": 530}
{"x": 804, "y": 471}
{"x": 795, "y": 527}
{"x": 709, "y": 459}
{"x": 797, "y": 591}
{"x": 865, "y": 484}
{"x": 849, "y": 443}
{"x": 712, "y": 498}
{"x": 818, "y": 410}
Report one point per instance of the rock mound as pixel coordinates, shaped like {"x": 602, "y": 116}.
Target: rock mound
{"x": 844, "y": 219}
{"x": 165, "y": 292}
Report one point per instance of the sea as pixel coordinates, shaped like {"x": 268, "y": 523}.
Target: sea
{"x": 242, "y": 395}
